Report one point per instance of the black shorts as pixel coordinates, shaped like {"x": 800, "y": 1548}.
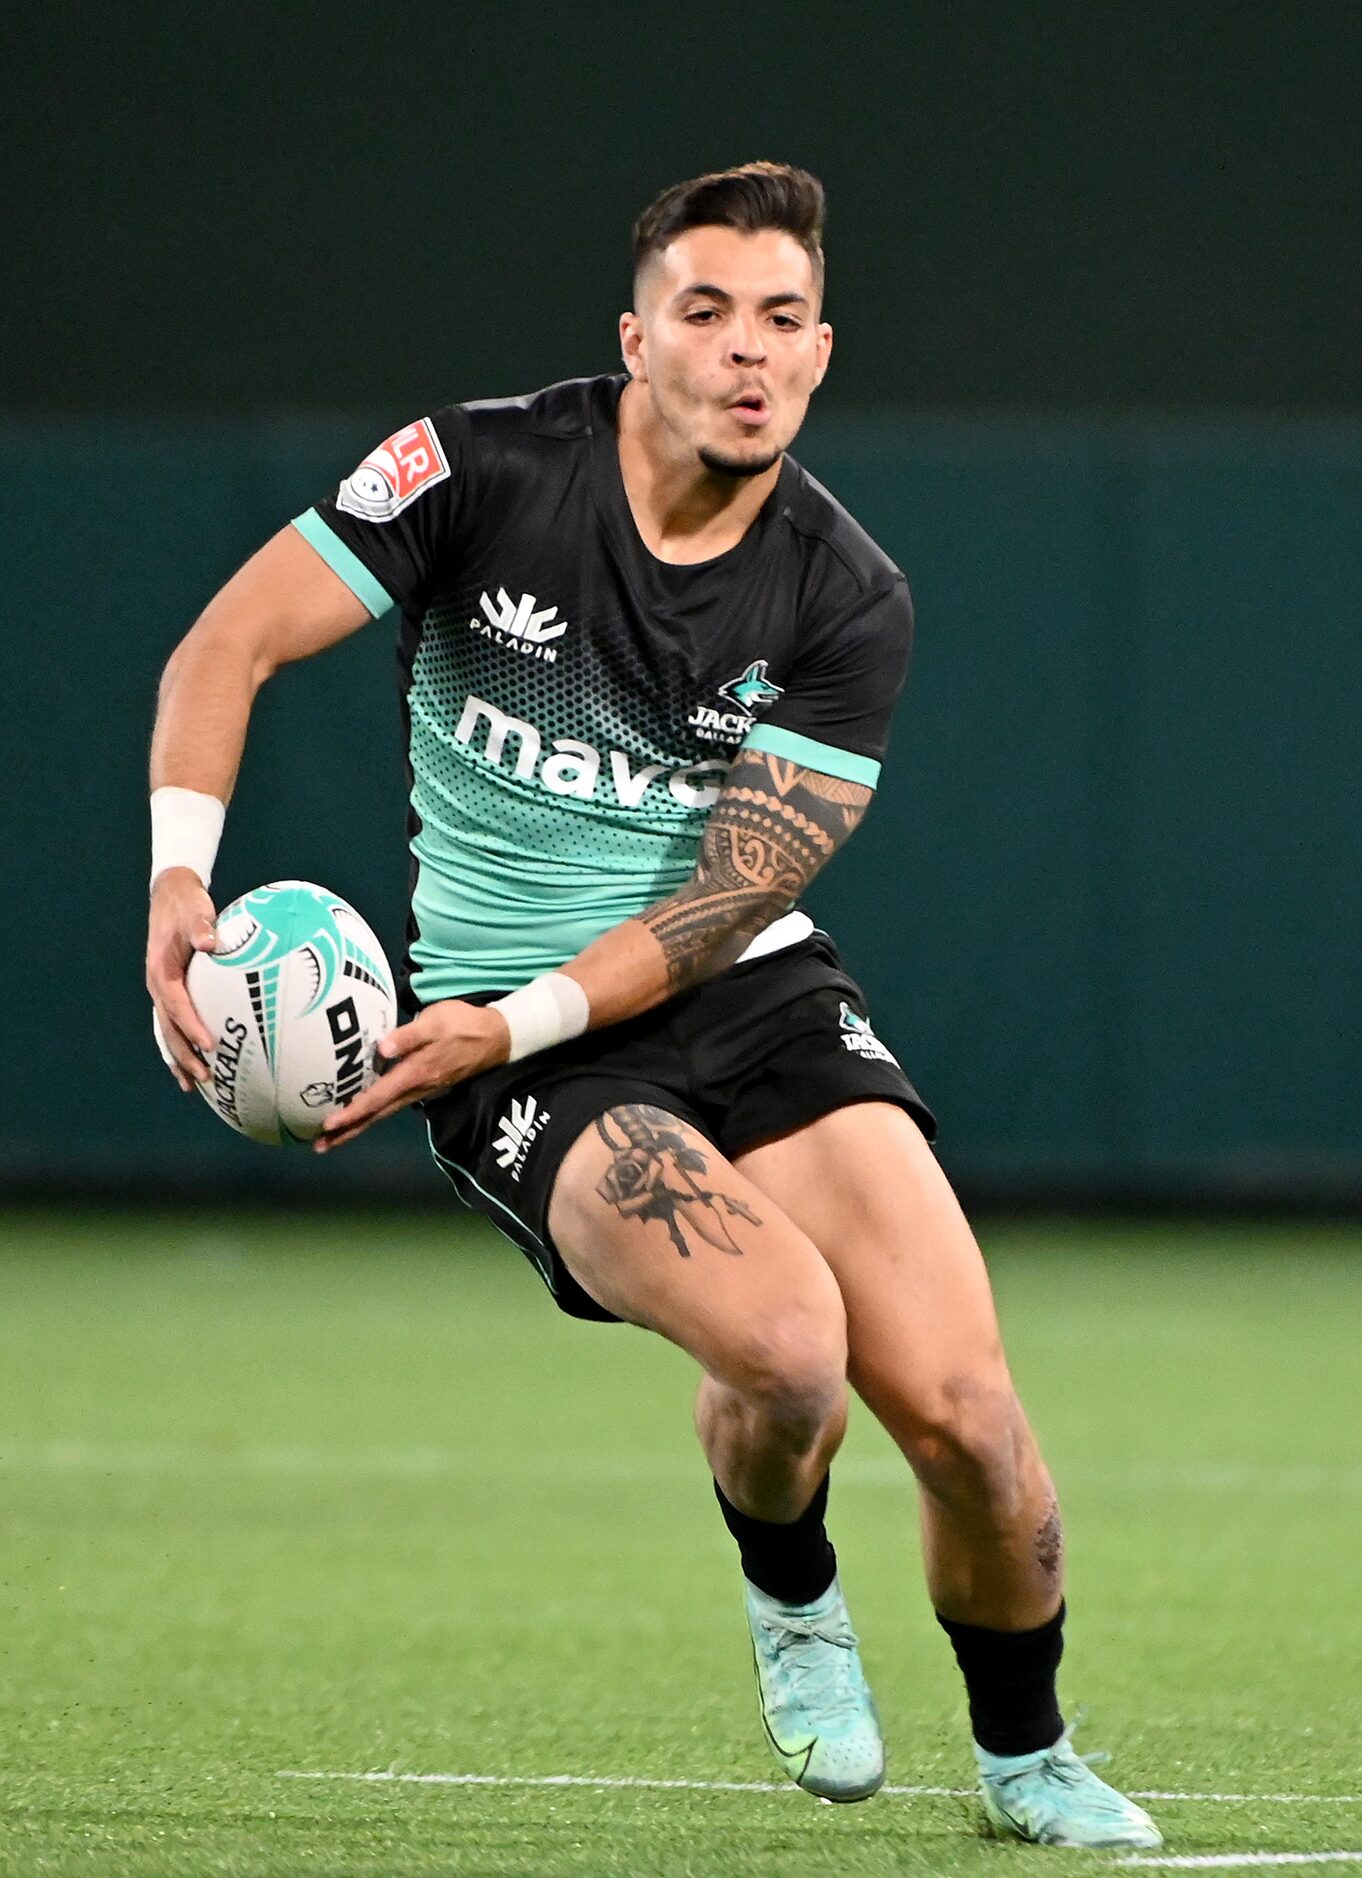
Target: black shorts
{"x": 753, "y": 1054}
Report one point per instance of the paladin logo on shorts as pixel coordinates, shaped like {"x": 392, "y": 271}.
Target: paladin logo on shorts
{"x": 752, "y": 691}
{"x": 518, "y": 625}
{"x": 519, "y": 1132}
{"x": 860, "y": 1039}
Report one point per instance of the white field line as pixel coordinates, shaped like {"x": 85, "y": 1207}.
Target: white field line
{"x": 1248, "y": 1799}
{"x": 605, "y": 1781}
{"x": 1238, "y": 1861}
{"x": 80, "y": 1456}
{"x": 785, "y": 1786}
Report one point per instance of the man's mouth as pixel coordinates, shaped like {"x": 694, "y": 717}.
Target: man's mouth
{"x": 751, "y": 409}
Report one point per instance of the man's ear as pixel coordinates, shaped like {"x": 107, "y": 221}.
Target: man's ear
{"x": 824, "y": 353}
{"x": 632, "y": 349}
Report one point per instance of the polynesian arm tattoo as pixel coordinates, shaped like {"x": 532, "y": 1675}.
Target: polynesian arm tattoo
{"x": 653, "y": 1175}
{"x": 773, "y": 827}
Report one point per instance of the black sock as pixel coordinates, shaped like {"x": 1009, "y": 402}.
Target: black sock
{"x": 794, "y": 1563}
{"x": 1010, "y": 1679}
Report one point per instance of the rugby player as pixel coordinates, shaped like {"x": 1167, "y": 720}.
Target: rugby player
{"x": 648, "y": 669}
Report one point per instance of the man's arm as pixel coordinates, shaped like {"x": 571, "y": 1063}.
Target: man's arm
{"x": 285, "y": 604}
{"x": 774, "y": 826}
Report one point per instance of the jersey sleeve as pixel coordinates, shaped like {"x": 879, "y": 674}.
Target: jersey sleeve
{"x": 834, "y": 713}
{"x": 395, "y": 519}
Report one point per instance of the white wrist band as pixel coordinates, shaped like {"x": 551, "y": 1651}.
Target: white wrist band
{"x": 550, "y": 1009}
{"x": 186, "y": 828}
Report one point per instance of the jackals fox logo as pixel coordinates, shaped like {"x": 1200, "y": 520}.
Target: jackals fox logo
{"x": 860, "y": 1039}
{"x": 752, "y": 690}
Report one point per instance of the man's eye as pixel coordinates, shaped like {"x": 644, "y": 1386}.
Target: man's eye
{"x": 787, "y": 322}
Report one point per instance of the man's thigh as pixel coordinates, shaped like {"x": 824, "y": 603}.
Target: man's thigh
{"x": 865, "y": 1188}
{"x": 659, "y": 1228}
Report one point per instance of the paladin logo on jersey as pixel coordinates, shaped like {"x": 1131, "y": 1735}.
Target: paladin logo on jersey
{"x": 519, "y": 1132}
{"x": 522, "y": 625}
{"x": 752, "y": 691}
{"x": 394, "y": 475}
{"x": 860, "y": 1039}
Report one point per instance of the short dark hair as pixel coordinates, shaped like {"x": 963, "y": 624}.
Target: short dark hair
{"x": 750, "y": 197}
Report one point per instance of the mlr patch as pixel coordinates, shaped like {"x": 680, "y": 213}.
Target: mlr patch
{"x": 391, "y": 477}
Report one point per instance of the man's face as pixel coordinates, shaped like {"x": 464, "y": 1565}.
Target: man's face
{"x": 727, "y": 339}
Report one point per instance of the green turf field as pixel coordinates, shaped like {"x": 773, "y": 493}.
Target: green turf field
{"x": 321, "y": 1498}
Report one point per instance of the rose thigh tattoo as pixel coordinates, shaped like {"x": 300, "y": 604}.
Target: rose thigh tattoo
{"x": 652, "y": 1175}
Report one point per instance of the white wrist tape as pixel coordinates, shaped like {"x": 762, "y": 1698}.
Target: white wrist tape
{"x": 550, "y": 1009}
{"x": 186, "y": 828}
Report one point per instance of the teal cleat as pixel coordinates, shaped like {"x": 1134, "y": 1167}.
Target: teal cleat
{"x": 1054, "y": 1798}
{"x": 815, "y": 1703}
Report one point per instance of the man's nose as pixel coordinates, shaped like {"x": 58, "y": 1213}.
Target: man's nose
{"x": 747, "y": 346}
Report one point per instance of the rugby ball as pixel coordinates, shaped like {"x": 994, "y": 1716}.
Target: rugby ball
{"x": 297, "y": 994}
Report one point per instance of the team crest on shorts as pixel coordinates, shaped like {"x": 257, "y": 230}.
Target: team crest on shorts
{"x": 393, "y": 475}
{"x": 860, "y": 1039}
{"x": 520, "y": 1128}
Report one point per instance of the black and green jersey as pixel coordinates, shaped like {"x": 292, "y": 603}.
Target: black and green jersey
{"x": 573, "y": 703}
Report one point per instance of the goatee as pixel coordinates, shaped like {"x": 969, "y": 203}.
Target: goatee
{"x": 719, "y": 465}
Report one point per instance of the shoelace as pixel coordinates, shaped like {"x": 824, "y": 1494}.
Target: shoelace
{"x": 1068, "y": 1772}
{"x": 819, "y": 1679}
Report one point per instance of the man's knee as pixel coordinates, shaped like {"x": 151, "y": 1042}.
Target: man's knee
{"x": 788, "y": 1366}
{"x": 971, "y": 1444}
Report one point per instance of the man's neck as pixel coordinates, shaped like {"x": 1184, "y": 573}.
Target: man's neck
{"x": 684, "y": 512}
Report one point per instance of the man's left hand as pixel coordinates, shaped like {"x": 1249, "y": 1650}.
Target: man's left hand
{"x": 446, "y": 1044}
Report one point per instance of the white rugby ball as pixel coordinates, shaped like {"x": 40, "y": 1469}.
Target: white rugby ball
{"x": 297, "y": 994}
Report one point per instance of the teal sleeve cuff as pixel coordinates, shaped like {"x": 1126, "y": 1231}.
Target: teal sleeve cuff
{"x": 370, "y": 592}
{"x": 810, "y": 754}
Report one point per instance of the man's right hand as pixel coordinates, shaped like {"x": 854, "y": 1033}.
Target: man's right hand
{"x": 181, "y": 922}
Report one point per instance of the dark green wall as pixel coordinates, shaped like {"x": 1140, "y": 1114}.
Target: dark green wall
{"x": 1067, "y": 204}
{"x": 1107, "y": 904}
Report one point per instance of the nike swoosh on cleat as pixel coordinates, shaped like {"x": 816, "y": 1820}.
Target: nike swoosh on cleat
{"x": 790, "y": 1753}
{"x": 784, "y": 1752}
